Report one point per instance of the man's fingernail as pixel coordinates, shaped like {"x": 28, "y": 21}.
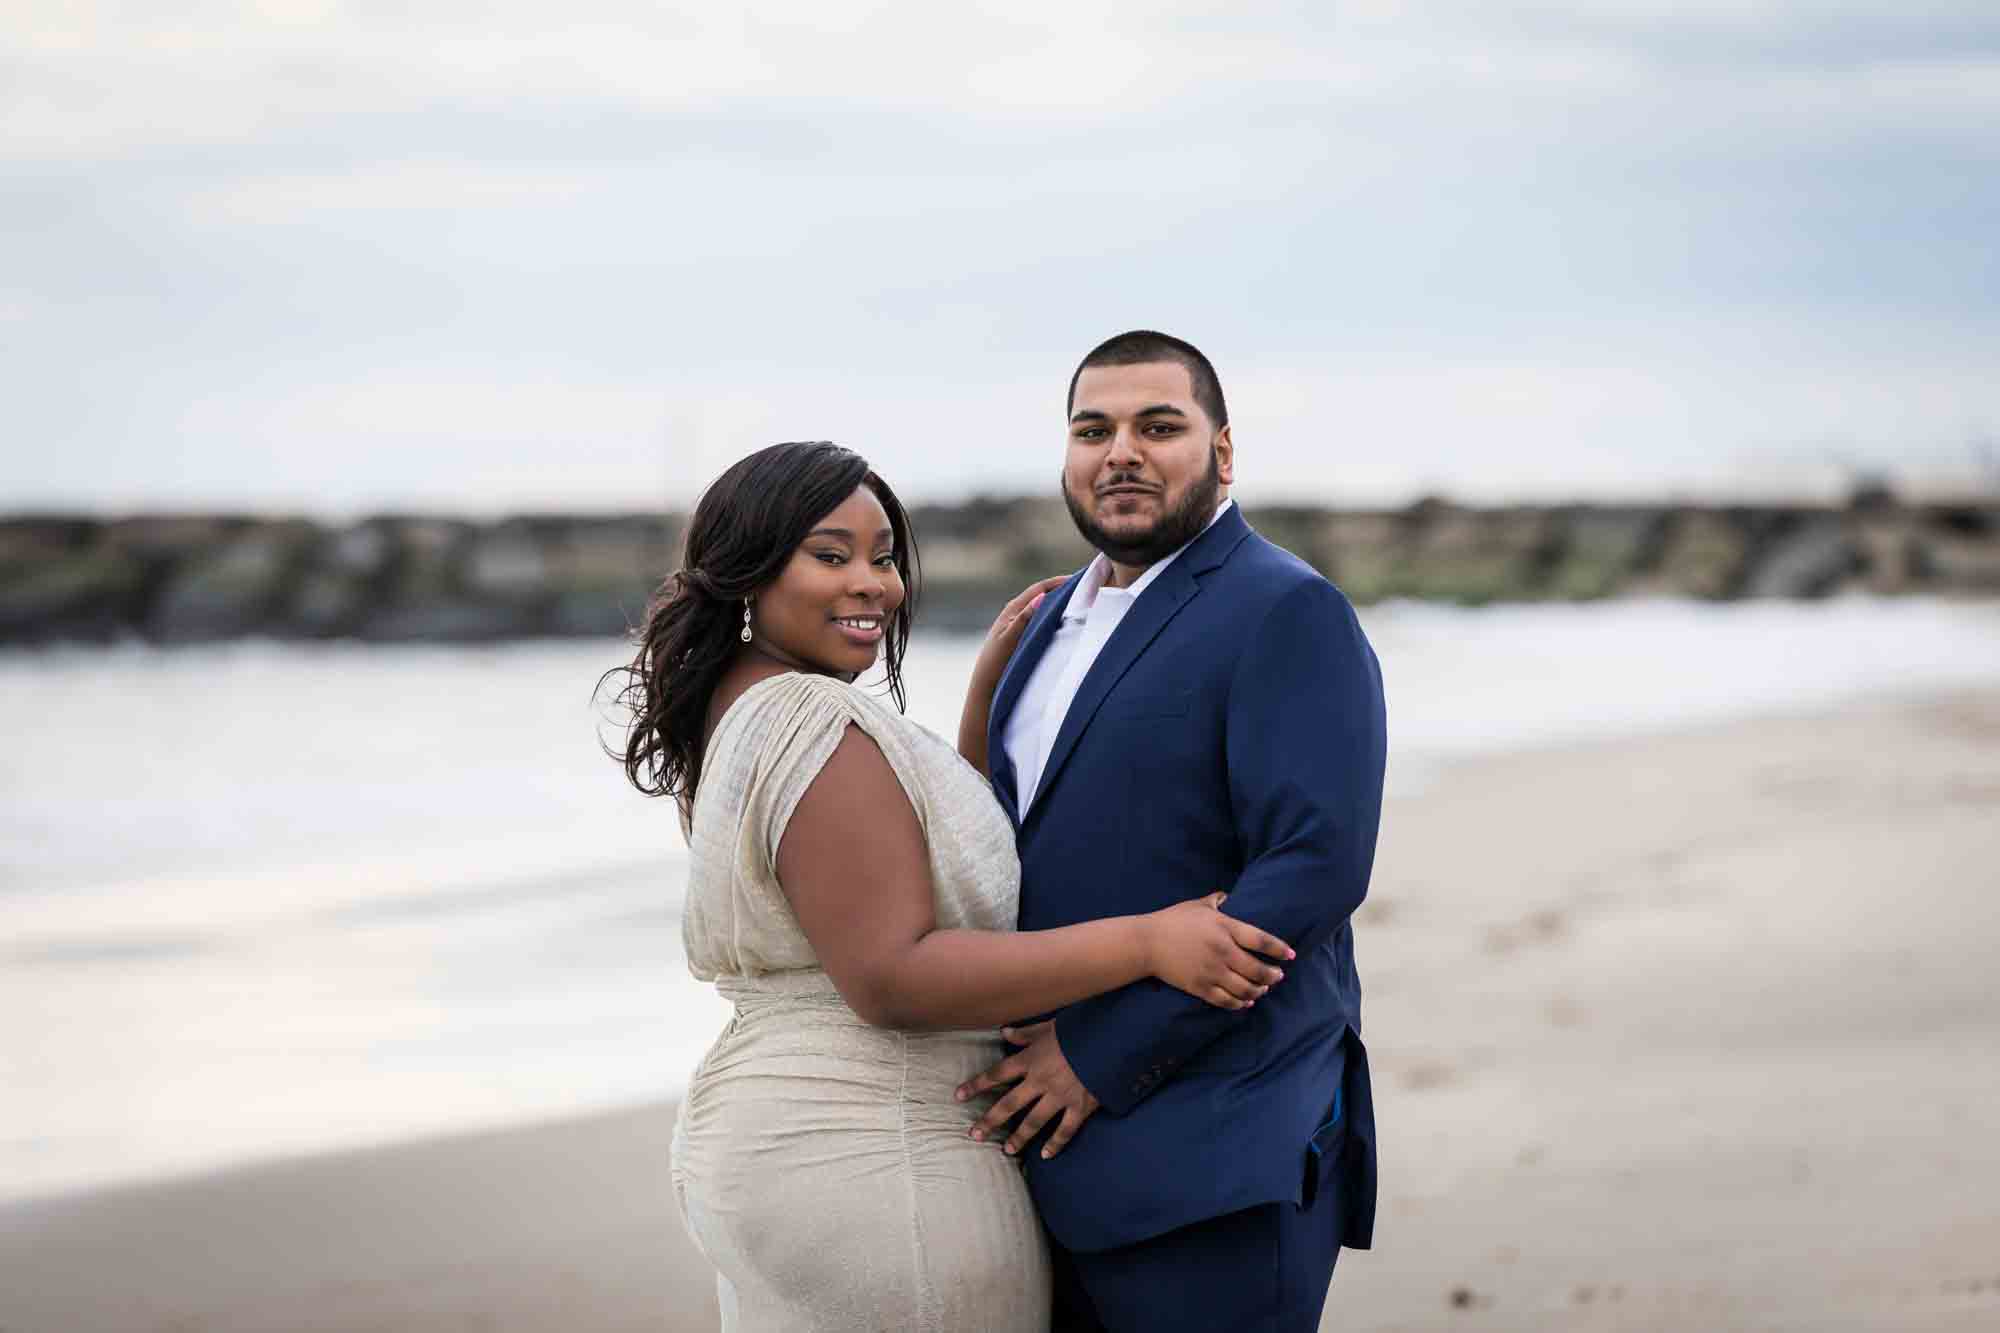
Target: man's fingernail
{"x": 958, "y": 1096}
{"x": 1281, "y": 976}
{"x": 1291, "y": 954}
{"x": 1009, "y": 1150}
{"x": 1046, "y": 1154}
{"x": 977, "y": 1137}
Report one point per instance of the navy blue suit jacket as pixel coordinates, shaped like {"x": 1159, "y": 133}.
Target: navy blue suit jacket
{"x": 1231, "y": 735}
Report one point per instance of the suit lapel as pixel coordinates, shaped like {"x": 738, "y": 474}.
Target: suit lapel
{"x": 1040, "y": 634}
{"x": 1154, "y": 610}
{"x": 1148, "y": 616}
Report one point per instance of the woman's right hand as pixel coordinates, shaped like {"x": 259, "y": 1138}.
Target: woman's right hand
{"x": 1193, "y": 946}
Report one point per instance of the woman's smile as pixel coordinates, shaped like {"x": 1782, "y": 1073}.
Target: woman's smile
{"x": 864, "y": 629}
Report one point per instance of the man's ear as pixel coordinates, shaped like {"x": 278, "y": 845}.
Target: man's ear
{"x": 1225, "y": 457}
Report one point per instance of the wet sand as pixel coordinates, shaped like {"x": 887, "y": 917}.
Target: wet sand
{"x": 1692, "y": 1032}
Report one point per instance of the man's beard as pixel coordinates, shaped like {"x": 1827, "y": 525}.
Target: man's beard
{"x": 1174, "y": 529}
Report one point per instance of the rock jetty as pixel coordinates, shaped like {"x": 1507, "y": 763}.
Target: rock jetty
{"x": 394, "y": 578}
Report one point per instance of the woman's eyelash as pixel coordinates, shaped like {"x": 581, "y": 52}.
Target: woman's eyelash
{"x": 836, "y": 558}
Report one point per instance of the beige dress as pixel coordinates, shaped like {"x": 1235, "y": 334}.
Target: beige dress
{"x": 820, "y": 1163}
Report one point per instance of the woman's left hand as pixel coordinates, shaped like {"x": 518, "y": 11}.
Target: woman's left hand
{"x": 1006, "y": 631}
{"x": 991, "y": 665}
{"x": 1195, "y": 947}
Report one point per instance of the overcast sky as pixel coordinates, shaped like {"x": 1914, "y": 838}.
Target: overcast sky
{"x": 338, "y": 257}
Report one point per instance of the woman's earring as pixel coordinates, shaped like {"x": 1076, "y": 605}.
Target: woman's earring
{"x": 745, "y": 635}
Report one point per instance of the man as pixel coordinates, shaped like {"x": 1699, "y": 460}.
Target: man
{"x": 1196, "y": 709}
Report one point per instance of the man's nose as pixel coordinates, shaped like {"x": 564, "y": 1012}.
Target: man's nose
{"x": 1124, "y": 450}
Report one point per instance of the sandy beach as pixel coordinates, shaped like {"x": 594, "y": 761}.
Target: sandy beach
{"x": 1689, "y": 1032}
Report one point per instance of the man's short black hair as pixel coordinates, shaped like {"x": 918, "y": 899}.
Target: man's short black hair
{"x": 1143, "y": 346}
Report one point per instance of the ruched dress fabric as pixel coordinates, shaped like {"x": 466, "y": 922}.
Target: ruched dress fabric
{"x": 820, "y": 1163}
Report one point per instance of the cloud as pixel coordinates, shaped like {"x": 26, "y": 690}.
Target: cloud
{"x": 1549, "y": 428}
{"x": 385, "y": 187}
{"x": 314, "y": 253}
{"x": 98, "y": 78}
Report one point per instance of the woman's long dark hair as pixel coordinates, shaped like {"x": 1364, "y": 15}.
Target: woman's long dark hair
{"x": 745, "y": 529}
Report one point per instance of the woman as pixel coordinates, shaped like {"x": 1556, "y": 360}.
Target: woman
{"x": 853, "y": 890}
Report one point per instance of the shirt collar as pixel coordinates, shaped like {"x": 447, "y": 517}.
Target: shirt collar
{"x": 1099, "y": 570}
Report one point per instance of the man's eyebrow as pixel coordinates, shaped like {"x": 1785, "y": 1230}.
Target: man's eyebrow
{"x": 1150, "y": 410}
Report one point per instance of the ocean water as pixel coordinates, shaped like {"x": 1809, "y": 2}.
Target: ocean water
{"x": 264, "y": 899}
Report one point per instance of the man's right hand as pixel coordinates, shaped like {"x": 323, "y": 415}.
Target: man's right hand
{"x": 1045, "y": 1087}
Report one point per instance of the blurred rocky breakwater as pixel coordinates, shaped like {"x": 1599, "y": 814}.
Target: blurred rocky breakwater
{"x": 178, "y": 579}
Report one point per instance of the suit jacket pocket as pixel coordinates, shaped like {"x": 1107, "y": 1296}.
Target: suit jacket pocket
{"x": 1324, "y": 1150}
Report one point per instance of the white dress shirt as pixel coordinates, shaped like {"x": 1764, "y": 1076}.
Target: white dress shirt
{"x": 1094, "y": 611}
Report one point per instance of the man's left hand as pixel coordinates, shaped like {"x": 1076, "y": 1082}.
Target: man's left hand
{"x": 1045, "y": 1087}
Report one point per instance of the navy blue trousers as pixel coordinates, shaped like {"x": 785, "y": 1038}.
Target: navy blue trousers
{"x": 1263, "y": 1270}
